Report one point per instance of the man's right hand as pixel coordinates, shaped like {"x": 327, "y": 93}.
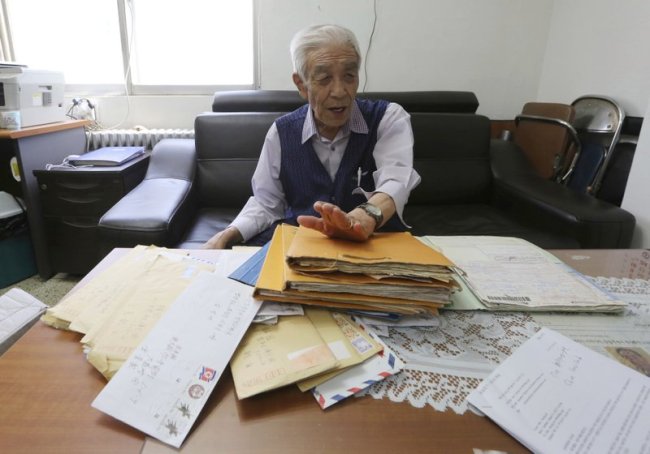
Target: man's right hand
{"x": 224, "y": 239}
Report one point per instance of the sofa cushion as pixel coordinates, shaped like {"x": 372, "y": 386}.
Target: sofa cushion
{"x": 478, "y": 219}
{"x": 207, "y": 222}
{"x": 461, "y": 219}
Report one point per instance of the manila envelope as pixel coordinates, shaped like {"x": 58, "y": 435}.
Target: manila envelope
{"x": 348, "y": 341}
{"x": 272, "y": 356}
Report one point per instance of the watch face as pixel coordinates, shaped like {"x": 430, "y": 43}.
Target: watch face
{"x": 373, "y": 212}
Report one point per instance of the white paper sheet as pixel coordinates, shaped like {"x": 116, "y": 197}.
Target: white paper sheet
{"x": 557, "y": 396}
{"x": 18, "y": 312}
{"x": 164, "y": 384}
{"x": 507, "y": 273}
{"x": 273, "y": 308}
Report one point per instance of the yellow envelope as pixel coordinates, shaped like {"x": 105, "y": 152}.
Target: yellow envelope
{"x": 101, "y": 289}
{"x": 350, "y": 344}
{"x": 272, "y": 356}
{"x": 312, "y": 251}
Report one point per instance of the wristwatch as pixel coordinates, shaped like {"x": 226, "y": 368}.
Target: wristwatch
{"x": 374, "y": 212}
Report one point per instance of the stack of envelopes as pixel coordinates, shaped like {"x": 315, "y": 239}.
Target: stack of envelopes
{"x": 391, "y": 272}
{"x": 330, "y": 353}
{"x": 118, "y": 307}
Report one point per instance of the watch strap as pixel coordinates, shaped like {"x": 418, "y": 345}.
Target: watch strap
{"x": 374, "y": 212}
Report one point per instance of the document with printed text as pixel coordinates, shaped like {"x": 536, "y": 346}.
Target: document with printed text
{"x": 557, "y": 396}
{"x": 507, "y": 273}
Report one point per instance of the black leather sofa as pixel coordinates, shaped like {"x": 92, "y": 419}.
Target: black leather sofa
{"x": 471, "y": 184}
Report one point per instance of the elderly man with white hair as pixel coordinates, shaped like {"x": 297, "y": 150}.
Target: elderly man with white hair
{"x": 340, "y": 165}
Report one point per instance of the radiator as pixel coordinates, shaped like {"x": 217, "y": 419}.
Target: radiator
{"x": 132, "y": 137}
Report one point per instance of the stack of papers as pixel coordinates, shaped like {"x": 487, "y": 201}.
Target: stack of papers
{"x": 118, "y": 307}
{"x": 505, "y": 273}
{"x": 390, "y": 273}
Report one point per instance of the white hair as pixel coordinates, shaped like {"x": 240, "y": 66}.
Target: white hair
{"x": 314, "y": 37}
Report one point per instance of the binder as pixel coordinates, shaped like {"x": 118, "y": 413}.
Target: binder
{"x": 106, "y": 156}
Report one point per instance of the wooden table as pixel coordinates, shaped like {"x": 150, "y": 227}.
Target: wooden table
{"x": 47, "y": 386}
{"x": 34, "y": 147}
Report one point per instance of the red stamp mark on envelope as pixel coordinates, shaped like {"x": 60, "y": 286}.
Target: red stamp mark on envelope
{"x": 207, "y": 374}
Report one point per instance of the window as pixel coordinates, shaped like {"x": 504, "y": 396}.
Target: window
{"x": 143, "y": 46}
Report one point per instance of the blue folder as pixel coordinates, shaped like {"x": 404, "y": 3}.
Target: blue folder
{"x": 249, "y": 271}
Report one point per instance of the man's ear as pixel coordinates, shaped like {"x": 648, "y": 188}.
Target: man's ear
{"x": 302, "y": 88}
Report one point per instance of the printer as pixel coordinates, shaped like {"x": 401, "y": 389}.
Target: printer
{"x": 36, "y": 94}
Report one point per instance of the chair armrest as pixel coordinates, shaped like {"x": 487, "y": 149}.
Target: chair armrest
{"x": 536, "y": 201}
{"x": 160, "y": 208}
{"x": 573, "y": 134}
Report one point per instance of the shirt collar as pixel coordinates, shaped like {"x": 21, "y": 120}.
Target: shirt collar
{"x": 356, "y": 123}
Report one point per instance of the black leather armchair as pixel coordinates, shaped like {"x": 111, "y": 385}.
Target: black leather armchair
{"x": 471, "y": 185}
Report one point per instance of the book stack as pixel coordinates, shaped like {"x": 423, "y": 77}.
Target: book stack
{"x": 390, "y": 273}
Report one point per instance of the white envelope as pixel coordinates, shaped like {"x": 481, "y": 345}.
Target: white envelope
{"x": 359, "y": 377}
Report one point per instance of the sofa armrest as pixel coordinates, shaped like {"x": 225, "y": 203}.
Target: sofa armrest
{"x": 593, "y": 223}
{"x": 160, "y": 208}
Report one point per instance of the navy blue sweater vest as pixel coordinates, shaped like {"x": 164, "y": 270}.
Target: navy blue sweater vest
{"x": 304, "y": 178}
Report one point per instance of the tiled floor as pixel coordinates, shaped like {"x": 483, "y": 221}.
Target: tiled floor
{"x": 48, "y": 291}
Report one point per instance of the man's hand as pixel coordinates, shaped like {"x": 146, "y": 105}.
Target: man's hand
{"x": 336, "y": 223}
{"x": 224, "y": 239}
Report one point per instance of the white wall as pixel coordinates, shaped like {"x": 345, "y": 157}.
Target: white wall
{"x": 599, "y": 47}
{"x": 115, "y": 112}
{"x": 494, "y": 48}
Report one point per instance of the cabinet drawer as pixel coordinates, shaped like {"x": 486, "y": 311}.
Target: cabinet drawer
{"x": 73, "y": 243}
{"x": 81, "y": 195}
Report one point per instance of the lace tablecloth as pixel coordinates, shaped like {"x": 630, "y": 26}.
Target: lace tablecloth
{"x": 445, "y": 363}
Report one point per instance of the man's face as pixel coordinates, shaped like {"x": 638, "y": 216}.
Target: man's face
{"x": 331, "y": 86}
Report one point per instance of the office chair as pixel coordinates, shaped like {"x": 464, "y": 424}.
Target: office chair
{"x": 546, "y": 136}
{"x": 598, "y": 122}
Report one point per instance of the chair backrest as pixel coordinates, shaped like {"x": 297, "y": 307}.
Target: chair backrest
{"x": 545, "y": 135}
{"x": 290, "y": 100}
{"x": 228, "y": 146}
{"x": 451, "y": 153}
{"x": 229, "y": 140}
{"x": 598, "y": 121}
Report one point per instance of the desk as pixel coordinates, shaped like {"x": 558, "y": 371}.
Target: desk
{"x": 47, "y": 387}
{"x": 34, "y": 147}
